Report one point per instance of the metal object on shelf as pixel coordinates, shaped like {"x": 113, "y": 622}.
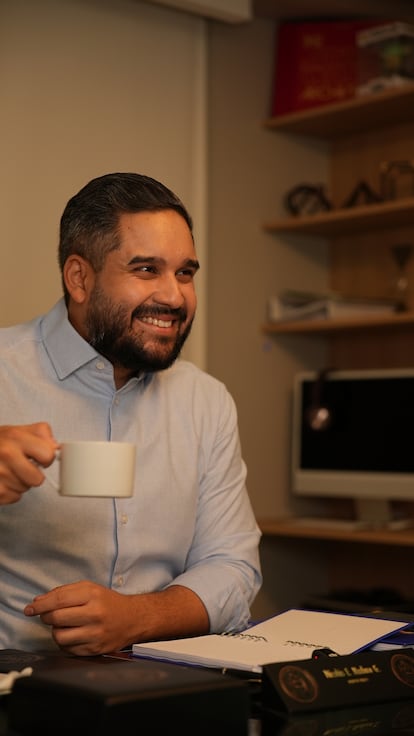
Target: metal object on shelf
{"x": 397, "y": 179}
{"x": 306, "y": 199}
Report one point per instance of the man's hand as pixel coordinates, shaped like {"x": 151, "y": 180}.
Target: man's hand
{"x": 22, "y": 449}
{"x": 88, "y": 619}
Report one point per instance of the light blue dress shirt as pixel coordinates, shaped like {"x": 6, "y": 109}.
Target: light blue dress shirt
{"x": 189, "y": 522}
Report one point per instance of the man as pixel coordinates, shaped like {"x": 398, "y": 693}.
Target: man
{"x": 180, "y": 557}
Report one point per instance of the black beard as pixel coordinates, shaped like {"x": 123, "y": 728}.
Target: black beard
{"x": 109, "y": 332}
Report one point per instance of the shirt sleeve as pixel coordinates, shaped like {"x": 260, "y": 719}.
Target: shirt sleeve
{"x": 223, "y": 565}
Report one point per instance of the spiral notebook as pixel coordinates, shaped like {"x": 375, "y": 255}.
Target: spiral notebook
{"x": 291, "y": 635}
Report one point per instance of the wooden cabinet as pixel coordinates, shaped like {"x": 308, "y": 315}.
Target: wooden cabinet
{"x": 363, "y": 134}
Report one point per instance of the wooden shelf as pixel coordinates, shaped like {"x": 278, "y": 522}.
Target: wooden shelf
{"x": 288, "y": 528}
{"x": 389, "y": 214}
{"x": 355, "y": 115}
{"x": 361, "y": 134}
{"x": 327, "y": 326}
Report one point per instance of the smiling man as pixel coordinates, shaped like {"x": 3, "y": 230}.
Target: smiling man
{"x": 138, "y": 309}
{"x": 181, "y": 556}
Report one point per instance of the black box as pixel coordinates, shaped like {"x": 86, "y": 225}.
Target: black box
{"x": 140, "y": 695}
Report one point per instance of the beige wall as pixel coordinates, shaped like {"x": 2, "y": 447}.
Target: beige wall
{"x": 250, "y": 171}
{"x": 88, "y": 87}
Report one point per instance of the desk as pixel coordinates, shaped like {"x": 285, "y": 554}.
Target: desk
{"x": 385, "y": 719}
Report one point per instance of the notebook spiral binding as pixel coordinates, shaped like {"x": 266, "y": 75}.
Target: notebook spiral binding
{"x": 251, "y": 637}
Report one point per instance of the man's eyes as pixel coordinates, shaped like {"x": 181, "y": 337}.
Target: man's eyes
{"x": 184, "y": 275}
{"x": 145, "y": 269}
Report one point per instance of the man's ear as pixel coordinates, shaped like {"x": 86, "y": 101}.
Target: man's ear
{"x": 79, "y": 278}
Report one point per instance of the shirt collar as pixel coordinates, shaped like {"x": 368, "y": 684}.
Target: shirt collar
{"x": 67, "y": 350}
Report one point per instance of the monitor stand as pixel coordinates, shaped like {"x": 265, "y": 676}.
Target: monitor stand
{"x": 369, "y": 514}
{"x": 375, "y": 513}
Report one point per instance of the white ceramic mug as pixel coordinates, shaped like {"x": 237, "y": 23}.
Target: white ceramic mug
{"x": 99, "y": 469}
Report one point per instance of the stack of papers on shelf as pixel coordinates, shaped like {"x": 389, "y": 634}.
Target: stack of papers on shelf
{"x": 293, "y": 305}
{"x": 292, "y": 635}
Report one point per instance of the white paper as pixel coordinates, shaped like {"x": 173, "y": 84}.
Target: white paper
{"x": 291, "y": 635}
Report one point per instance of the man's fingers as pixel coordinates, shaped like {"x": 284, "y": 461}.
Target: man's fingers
{"x": 64, "y": 596}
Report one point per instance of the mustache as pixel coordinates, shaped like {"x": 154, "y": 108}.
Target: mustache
{"x": 179, "y": 313}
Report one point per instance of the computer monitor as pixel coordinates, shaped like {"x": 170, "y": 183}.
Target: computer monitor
{"x": 353, "y": 437}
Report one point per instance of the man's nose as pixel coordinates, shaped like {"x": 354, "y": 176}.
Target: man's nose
{"x": 168, "y": 291}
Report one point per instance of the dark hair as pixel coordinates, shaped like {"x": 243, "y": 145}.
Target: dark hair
{"x": 89, "y": 223}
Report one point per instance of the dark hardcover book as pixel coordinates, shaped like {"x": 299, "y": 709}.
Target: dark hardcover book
{"x": 142, "y": 696}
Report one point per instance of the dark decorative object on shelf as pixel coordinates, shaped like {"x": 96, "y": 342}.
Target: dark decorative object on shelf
{"x": 401, "y": 254}
{"x": 306, "y": 199}
{"x": 362, "y": 194}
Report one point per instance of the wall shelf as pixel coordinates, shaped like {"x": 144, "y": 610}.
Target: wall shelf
{"x": 344, "y": 118}
{"x": 364, "y": 132}
{"x": 327, "y": 326}
{"x": 288, "y": 528}
{"x": 336, "y": 223}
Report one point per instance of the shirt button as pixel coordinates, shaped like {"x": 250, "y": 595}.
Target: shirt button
{"x": 100, "y": 365}
{"x": 120, "y": 581}
{"x": 124, "y": 519}
{"x": 116, "y": 402}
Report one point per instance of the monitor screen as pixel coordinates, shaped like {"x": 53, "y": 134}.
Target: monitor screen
{"x": 352, "y": 436}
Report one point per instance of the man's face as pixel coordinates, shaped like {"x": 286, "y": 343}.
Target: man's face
{"x": 143, "y": 302}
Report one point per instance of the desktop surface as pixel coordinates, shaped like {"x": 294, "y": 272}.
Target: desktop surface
{"x": 100, "y": 694}
{"x": 234, "y": 713}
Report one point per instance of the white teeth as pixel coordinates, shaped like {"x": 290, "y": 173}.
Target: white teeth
{"x": 157, "y": 322}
